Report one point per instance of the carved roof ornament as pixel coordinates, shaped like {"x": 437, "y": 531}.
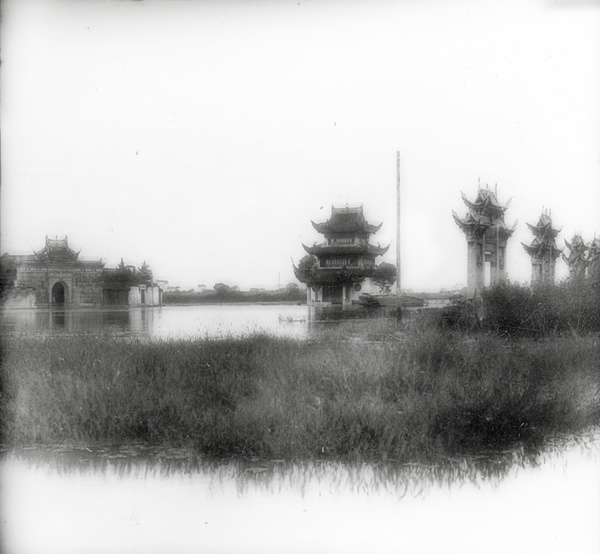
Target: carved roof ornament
{"x": 579, "y": 253}
{"x": 543, "y": 243}
{"x": 56, "y": 250}
{"x": 485, "y": 216}
{"x": 346, "y": 220}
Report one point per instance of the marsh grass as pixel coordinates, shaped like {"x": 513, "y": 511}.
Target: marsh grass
{"x": 422, "y": 397}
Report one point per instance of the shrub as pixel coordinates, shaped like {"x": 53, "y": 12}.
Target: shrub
{"x": 518, "y": 310}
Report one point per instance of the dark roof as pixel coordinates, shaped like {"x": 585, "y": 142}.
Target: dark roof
{"x": 56, "y": 250}
{"x": 485, "y": 203}
{"x": 538, "y": 248}
{"x": 346, "y": 220}
{"x": 544, "y": 227}
{"x": 576, "y": 244}
{"x": 331, "y": 276}
{"x": 332, "y": 249}
{"x": 479, "y": 220}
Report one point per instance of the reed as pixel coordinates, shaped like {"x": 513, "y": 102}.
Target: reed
{"x": 421, "y": 396}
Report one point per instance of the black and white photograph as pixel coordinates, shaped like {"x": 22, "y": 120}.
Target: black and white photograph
{"x": 299, "y": 276}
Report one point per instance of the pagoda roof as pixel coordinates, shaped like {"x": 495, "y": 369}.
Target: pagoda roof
{"x": 346, "y": 220}
{"x": 539, "y": 248}
{"x": 576, "y": 243}
{"x": 331, "y": 276}
{"x": 323, "y": 249}
{"x": 486, "y": 202}
{"x": 544, "y": 227}
{"x": 477, "y": 225}
{"x": 471, "y": 224}
{"x": 56, "y": 250}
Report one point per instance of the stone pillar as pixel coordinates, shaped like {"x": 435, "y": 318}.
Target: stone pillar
{"x": 475, "y": 267}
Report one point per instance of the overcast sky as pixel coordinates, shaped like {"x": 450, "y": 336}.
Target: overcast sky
{"x": 203, "y": 136}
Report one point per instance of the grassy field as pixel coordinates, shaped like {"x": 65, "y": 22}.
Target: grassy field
{"x": 420, "y": 396}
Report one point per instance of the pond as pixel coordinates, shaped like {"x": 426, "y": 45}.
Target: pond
{"x": 208, "y": 321}
{"x": 119, "y": 506}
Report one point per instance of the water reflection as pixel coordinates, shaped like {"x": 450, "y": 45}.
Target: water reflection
{"x": 165, "y": 500}
{"x": 206, "y": 321}
{"x": 390, "y": 475}
{"x": 200, "y": 321}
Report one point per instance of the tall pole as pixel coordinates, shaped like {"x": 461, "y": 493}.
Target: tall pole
{"x": 398, "y": 273}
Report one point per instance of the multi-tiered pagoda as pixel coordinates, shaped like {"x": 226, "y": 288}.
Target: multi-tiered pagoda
{"x": 486, "y": 235}
{"x": 344, "y": 262}
{"x": 543, "y": 250}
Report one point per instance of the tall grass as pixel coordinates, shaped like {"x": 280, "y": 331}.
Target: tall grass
{"x": 428, "y": 396}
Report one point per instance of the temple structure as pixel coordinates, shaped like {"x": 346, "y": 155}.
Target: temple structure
{"x": 487, "y": 235}
{"x": 342, "y": 266}
{"x": 594, "y": 258}
{"x": 578, "y": 258}
{"x": 55, "y": 277}
{"x": 543, "y": 250}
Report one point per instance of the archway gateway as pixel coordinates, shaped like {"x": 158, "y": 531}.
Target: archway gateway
{"x": 59, "y": 293}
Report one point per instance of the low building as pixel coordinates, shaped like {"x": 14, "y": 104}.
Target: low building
{"x": 55, "y": 277}
{"x": 344, "y": 263}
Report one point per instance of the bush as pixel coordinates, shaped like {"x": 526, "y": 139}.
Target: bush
{"x": 518, "y": 310}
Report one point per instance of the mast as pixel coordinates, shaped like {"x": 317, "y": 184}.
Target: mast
{"x": 398, "y": 273}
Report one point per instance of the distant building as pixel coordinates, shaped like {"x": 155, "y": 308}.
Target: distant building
{"x": 594, "y": 258}
{"x": 344, "y": 261}
{"x": 583, "y": 259}
{"x": 486, "y": 235}
{"x": 55, "y": 277}
{"x": 543, "y": 250}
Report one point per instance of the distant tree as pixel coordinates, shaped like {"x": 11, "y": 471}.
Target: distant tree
{"x": 384, "y": 276}
{"x": 122, "y": 277}
{"x": 144, "y": 274}
{"x": 222, "y": 289}
{"x": 292, "y": 288}
{"x": 308, "y": 264}
{"x": 162, "y": 283}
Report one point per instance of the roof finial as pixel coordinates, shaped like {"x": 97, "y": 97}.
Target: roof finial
{"x": 478, "y": 183}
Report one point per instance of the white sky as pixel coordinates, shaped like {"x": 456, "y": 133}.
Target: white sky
{"x": 203, "y": 136}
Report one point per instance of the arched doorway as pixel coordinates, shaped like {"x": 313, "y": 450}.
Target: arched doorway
{"x": 59, "y": 294}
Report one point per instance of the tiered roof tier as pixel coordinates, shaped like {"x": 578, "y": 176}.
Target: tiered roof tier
{"x": 544, "y": 241}
{"x": 57, "y": 252}
{"x": 582, "y": 256}
{"x": 484, "y": 214}
{"x": 346, "y": 254}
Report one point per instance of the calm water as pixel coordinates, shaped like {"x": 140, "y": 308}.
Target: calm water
{"x": 165, "y": 322}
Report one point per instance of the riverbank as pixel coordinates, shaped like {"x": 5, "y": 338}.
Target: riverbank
{"x": 422, "y": 396}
